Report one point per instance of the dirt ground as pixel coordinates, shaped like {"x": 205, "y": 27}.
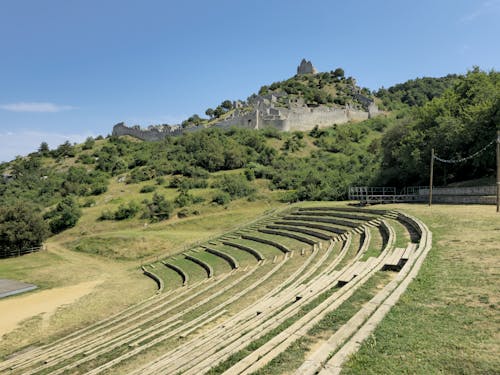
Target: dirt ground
{"x": 15, "y": 310}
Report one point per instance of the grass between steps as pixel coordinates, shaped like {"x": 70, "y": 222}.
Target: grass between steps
{"x": 295, "y": 354}
{"x": 279, "y": 364}
{"x": 376, "y": 244}
{"x": 447, "y": 320}
{"x": 236, "y": 357}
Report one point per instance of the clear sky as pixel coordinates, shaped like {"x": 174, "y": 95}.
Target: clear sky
{"x": 74, "y": 68}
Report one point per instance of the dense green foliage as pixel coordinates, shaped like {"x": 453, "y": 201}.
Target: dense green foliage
{"x": 316, "y": 89}
{"x": 455, "y": 115}
{"x": 21, "y": 227}
{"x": 158, "y": 208}
{"x": 458, "y": 123}
{"x": 415, "y": 92}
{"x": 65, "y": 215}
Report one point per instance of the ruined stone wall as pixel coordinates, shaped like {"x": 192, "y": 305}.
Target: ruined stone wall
{"x": 321, "y": 116}
{"x": 152, "y": 134}
{"x": 284, "y": 119}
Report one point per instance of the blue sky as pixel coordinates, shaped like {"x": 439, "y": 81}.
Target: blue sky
{"x": 74, "y": 68}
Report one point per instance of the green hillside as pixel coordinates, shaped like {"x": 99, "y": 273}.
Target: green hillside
{"x": 107, "y": 181}
{"x": 216, "y": 219}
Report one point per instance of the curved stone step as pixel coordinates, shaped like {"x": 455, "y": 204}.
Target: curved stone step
{"x": 335, "y": 214}
{"x": 289, "y": 235}
{"x": 312, "y": 233}
{"x": 345, "y": 209}
{"x": 155, "y": 277}
{"x": 228, "y": 258}
{"x": 180, "y": 271}
{"x": 277, "y": 245}
{"x": 344, "y": 223}
{"x": 248, "y": 249}
{"x": 208, "y": 268}
{"x": 311, "y": 225}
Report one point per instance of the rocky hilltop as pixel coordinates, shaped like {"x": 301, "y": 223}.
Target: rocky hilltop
{"x": 302, "y": 102}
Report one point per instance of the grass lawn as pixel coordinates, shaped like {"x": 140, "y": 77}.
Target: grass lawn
{"x": 447, "y": 322}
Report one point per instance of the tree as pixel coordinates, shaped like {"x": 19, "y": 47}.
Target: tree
{"x": 65, "y": 215}
{"x": 44, "y": 148}
{"x": 21, "y": 227}
{"x": 219, "y": 111}
{"x": 89, "y": 143}
{"x": 227, "y": 104}
{"x": 158, "y": 208}
{"x": 339, "y": 73}
{"x": 236, "y": 186}
{"x": 210, "y": 112}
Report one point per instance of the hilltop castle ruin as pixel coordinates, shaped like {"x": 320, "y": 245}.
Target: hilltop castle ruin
{"x": 273, "y": 110}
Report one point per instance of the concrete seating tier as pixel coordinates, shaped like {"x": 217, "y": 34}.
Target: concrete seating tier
{"x": 344, "y": 223}
{"x": 230, "y": 259}
{"x": 194, "y": 329}
{"x": 248, "y": 249}
{"x": 312, "y": 233}
{"x": 180, "y": 271}
{"x": 287, "y": 234}
{"x": 155, "y": 277}
{"x": 335, "y": 214}
{"x": 326, "y": 228}
{"x": 369, "y": 211}
{"x": 277, "y": 245}
{"x": 206, "y": 266}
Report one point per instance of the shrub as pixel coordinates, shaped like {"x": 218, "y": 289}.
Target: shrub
{"x": 250, "y": 174}
{"x": 157, "y": 209}
{"x": 141, "y": 174}
{"x": 147, "y": 189}
{"x": 126, "y": 211}
{"x": 88, "y": 144}
{"x": 65, "y": 215}
{"x": 107, "y": 215}
{"x": 236, "y": 186}
{"x": 89, "y": 202}
{"x": 222, "y": 198}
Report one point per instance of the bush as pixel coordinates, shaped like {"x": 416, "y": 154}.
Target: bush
{"x": 185, "y": 199}
{"x": 222, "y": 198}
{"x": 107, "y": 215}
{"x": 147, "y": 189}
{"x": 236, "y": 186}
{"x": 65, "y": 215}
{"x": 88, "y": 144}
{"x": 157, "y": 209}
{"x": 250, "y": 174}
{"x": 141, "y": 174}
{"x": 126, "y": 211}
{"x": 272, "y": 133}
{"x": 86, "y": 159}
{"x": 89, "y": 202}
{"x": 160, "y": 180}
{"x": 183, "y": 183}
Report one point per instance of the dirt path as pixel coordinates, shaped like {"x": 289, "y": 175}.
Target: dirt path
{"x": 15, "y": 310}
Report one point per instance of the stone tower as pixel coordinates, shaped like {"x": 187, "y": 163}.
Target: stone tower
{"x": 306, "y": 67}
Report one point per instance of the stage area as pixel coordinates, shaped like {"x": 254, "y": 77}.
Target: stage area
{"x": 11, "y": 287}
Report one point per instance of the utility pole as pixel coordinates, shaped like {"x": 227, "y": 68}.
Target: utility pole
{"x": 498, "y": 170}
{"x": 431, "y": 178}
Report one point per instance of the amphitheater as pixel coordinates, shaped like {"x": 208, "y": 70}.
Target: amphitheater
{"x": 236, "y": 303}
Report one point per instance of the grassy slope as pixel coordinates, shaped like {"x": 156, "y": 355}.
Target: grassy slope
{"x": 447, "y": 321}
{"x": 113, "y": 251}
